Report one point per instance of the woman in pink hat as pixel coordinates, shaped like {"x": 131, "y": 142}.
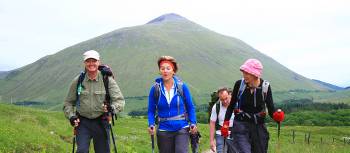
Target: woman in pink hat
{"x": 251, "y": 98}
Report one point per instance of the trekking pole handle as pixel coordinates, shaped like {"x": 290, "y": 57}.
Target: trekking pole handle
{"x": 112, "y": 119}
{"x": 75, "y": 131}
{"x": 152, "y": 128}
{"x": 152, "y": 139}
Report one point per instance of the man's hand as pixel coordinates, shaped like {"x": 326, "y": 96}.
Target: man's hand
{"x": 108, "y": 108}
{"x": 74, "y": 121}
{"x": 212, "y": 145}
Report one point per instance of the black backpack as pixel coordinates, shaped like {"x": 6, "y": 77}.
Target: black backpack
{"x": 265, "y": 87}
{"x": 214, "y": 100}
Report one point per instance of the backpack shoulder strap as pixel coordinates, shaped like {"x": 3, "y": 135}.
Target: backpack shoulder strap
{"x": 240, "y": 92}
{"x": 217, "y": 105}
{"x": 217, "y": 108}
{"x": 265, "y": 88}
{"x": 180, "y": 92}
{"x": 180, "y": 88}
{"x": 79, "y": 88}
{"x": 106, "y": 84}
{"x": 156, "y": 92}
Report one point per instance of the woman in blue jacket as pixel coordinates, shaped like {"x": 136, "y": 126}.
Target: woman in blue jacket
{"x": 172, "y": 101}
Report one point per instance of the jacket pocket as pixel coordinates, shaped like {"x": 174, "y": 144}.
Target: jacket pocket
{"x": 84, "y": 102}
{"x": 99, "y": 97}
{"x": 84, "y": 97}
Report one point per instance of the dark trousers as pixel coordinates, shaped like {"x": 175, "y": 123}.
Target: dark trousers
{"x": 249, "y": 137}
{"x": 173, "y": 142}
{"x": 96, "y": 129}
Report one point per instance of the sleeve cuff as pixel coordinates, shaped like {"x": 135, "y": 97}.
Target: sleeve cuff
{"x": 114, "y": 110}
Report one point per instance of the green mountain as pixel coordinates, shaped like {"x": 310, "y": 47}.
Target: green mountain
{"x": 330, "y": 86}
{"x": 206, "y": 60}
{"x": 3, "y": 74}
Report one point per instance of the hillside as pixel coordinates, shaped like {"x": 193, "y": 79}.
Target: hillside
{"x": 330, "y": 86}
{"x": 206, "y": 59}
{"x": 3, "y": 74}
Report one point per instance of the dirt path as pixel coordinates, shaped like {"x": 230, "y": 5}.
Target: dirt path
{"x": 207, "y": 151}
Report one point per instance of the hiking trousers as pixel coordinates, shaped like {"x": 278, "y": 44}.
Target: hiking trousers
{"x": 96, "y": 129}
{"x": 249, "y": 137}
{"x": 220, "y": 144}
{"x": 173, "y": 142}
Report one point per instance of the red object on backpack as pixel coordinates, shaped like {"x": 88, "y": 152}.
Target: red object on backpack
{"x": 278, "y": 115}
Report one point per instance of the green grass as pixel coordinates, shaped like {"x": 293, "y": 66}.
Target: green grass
{"x": 341, "y": 96}
{"x": 285, "y": 144}
{"x": 28, "y": 130}
{"x": 31, "y": 131}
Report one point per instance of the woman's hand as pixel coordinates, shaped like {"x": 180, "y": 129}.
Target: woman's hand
{"x": 193, "y": 129}
{"x": 151, "y": 130}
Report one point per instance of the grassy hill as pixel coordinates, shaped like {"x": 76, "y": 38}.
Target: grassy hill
{"x": 30, "y": 130}
{"x": 206, "y": 59}
{"x": 331, "y": 86}
{"x": 3, "y": 74}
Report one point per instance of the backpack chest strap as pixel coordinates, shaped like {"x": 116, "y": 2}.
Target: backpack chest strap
{"x": 174, "y": 118}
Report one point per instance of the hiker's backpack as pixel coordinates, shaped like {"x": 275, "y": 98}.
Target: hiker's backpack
{"x": 179, "y": 90}
{"x": 214, "y": 100}
{"x": 265, "y": 88}
{"x": 106, "y": 72}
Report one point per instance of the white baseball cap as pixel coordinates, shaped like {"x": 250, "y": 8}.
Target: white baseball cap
{"x": 91, "y": 54}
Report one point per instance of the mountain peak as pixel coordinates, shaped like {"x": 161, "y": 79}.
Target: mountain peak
{"x": 167, "y": 17}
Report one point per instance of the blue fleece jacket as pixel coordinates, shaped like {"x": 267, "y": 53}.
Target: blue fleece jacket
{"x": 166, "y": 110}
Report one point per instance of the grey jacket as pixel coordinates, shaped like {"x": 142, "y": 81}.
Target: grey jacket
{"x": 92, "y": 97}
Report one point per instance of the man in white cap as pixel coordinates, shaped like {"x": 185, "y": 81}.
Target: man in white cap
{"x": 87, "y": 93}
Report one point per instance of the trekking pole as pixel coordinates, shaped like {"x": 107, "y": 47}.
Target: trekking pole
{"x": 74, "y": 138}
{"x": 110, "y": 127}
{"x": 278, "y": 130}
{"x": 278, "y": 150}
{"x": 194, "y": 137}
{"x": 223, "y": 149}
{"x": 152, "y": 139}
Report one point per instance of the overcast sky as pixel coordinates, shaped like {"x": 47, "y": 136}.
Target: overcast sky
{"x": 310, "y": 37}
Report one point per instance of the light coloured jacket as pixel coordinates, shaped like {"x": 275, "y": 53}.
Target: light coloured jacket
{"x": 92, "y": 97}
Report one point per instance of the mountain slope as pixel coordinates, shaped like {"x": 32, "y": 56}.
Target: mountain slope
{"x": 330, "y": 86}
{"x": 3, "y": 74}
{"x": 206, "y": 60}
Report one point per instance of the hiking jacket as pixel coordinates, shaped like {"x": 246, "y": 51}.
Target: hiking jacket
{"x": 92, "y": 97}
{"x": 166, "y": 110}
{"x": 247, "y": 101}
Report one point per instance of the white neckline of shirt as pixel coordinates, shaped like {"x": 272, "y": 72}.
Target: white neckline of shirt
{"x": 169, "y": 96}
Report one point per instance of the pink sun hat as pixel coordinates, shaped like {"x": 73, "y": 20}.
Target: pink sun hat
{"x": 252, "y": 66}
